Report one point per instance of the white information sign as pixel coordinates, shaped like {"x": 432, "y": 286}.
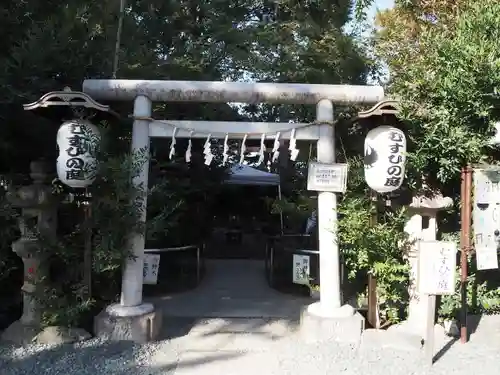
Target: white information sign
{"x": 487, "y": 185}
{"x": 486, "y": 217}
{"x": 436, "y": 267}
{"x": 486, "y": 225}
{"x": 486, "y": 258}
{"x": 151, "y": 268}
{"x": 301, "y": 269}
{"x": 327, "y": 177}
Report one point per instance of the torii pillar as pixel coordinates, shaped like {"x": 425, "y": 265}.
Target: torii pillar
{"x": 134, "y": 320}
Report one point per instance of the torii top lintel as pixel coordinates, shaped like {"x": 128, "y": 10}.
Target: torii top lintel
{"x": 226, "y": 92}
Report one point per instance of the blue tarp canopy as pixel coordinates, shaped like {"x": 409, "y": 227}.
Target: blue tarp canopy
{"x": 246, "y": 175}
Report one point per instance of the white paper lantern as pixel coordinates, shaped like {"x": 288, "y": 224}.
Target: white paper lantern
{"x": 78, "y": 142}
{"x": 385, "y": 159}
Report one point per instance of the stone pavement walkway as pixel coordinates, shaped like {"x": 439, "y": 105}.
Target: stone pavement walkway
{"x": 233, "y": 288}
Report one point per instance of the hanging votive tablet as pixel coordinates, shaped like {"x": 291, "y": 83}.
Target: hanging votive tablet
{"x": 172, "y": 145}
{"x": 262, "y": 149}
{"x": 243, "y": 149}
{"x": 189, "y": 147}
{"x": 276, "y": 147}
{"x": 226, "y": 150}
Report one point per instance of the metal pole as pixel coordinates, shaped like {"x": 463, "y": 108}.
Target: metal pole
{"x": 271, "y": 267}
{"x": 372, "y": 315}
{"x": 281, "y": 211}
{"x": 87, "y": 256}
{"x": 465, "y": 216}
{"x": 116, "y": 56}
{"x": 198, "y": 265}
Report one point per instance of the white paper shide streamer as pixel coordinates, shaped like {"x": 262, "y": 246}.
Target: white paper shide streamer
{"x": 172, "y": 145}
{"x": 294, "y": 152}
{"x": 243, "y": 148}
{"x": 226, "y": 150}
{"x": 262, "y": 150}
{"x": 276, "y": 147}
{"x": 189, "y": 148}
{"x": 207, "y": 151}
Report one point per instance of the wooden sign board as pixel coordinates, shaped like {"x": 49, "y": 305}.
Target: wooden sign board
{"x": 151, "y": 268}
{"x": 327, "y": 177}
{"x": 437, "y": 267}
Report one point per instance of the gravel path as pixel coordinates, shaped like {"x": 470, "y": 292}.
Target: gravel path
{"x": 225, "y": 346}
{"x": 91, "y": 357}
{"x": 263, "y": 356}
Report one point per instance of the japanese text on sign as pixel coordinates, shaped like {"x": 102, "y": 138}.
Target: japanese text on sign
{"x": 486, "y": 223}
{"x": 486, "y": 258}
{"x": 486, "y": 217}
{"x": 327, "y": 177}
{"x": 436, "y": 267}
{"x": 395, "y": 169}
{"x": 151, "y": 268}
{"x": 301, "y": 269}
{"x": 487, "y": 185}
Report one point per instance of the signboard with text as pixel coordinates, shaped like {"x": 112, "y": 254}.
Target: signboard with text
{"x": 301, "y": 269}
{"x": 486, "y": 217}
{"x": 151, "y": 268}
{"x": 327, "y": 177}
{"x": 436, "y": 267}
{"x": 486, "y": 258}
{"x": 487, "y": 185}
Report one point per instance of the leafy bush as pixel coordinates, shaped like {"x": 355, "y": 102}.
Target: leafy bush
{"x": 116, "y": 211}
{"x": 483, "y": 293}
{"x": 378, "y": 249}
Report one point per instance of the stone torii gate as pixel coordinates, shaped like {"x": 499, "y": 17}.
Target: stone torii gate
{"x": 132, "y": 319}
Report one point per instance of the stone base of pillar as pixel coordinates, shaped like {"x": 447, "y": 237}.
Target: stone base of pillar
{"x": 343, "y": 325}
{"x": 391, "y": 338}
{"x": 119, "y": 323}
{"x": 19, "y": 333}
{"x": 410, "y": 327}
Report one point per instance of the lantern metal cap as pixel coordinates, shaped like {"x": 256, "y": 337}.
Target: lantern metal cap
{"x": 68, "y": 98}
{"x": 385, "y": 107}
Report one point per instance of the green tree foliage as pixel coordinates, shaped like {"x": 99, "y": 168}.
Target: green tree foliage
{"x": 444, "y": 58}
{"x": 449, "y": 92}
{"x": 48, "y": 46}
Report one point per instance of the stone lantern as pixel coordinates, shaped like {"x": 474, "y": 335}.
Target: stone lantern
{"x": 420, "y": 226}
{"x": 38, "y": 217}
